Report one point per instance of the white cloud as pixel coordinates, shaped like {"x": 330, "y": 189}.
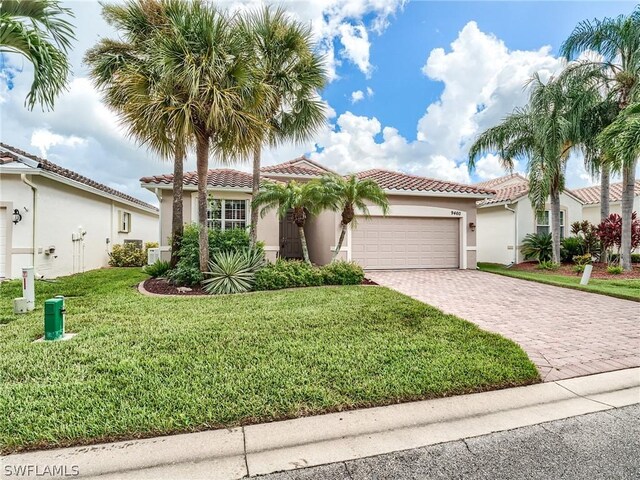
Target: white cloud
{"x": 490, "y": 166}
{"x": 369, "y": 92}
{"x": 357, "y": 96}
{"x": 355, "y": 40}
{"x": 45, "y": 139}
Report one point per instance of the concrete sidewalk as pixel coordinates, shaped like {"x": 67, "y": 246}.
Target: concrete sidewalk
{"x": 336, "y": 437}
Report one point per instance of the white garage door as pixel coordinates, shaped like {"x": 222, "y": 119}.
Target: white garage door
{"x": 3, "y": 242}
{"x": 406, "y": 242}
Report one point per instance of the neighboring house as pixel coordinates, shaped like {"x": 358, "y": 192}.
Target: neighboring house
{"x": 506, "y": 218}
{"x": 61, "y": 222}
{"x": 591, "y": 198}
{"x": 431, "y": 223}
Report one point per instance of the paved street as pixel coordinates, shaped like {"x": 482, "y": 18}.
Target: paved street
{"x": 603, "y": 445}
{"x": 566, "y": 333}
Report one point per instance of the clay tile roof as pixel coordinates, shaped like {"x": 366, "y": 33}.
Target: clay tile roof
{"x": 51, "y": 167}
{"x": 402, "y": 181}
{"x": 591, "y": 195}
{"x": 217, "y": 177}
{"x": 500, "y": 180}
{"x": 507, "y": 194}
{"x": 297, "y": 166}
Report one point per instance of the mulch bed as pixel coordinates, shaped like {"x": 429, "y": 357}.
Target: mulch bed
{"x": 161, "y": 286}
{"x": 599, "y": 271}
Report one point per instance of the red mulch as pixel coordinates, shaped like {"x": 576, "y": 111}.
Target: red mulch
{"x": 161, "y": 286}
{"x": 566, "y": 269}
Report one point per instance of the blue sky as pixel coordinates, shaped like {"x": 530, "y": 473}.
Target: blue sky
{"x": 431, "y": 76}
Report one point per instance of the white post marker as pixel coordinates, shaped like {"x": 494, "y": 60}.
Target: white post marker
{"x": 28, "y": 291}
{"x": 586, "y": 275}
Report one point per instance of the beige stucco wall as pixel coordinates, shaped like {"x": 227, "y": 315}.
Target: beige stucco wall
{"x": 592, "y": 212}
{"x": 62, "y": 210}
{"x": 322, "y": 234}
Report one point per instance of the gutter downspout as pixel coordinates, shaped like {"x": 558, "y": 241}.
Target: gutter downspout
{"x": 515, "y": 231}
{"x": 34, "y": 189}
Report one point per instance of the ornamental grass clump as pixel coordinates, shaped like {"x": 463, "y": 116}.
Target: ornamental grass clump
{"x": 233, "y": 271}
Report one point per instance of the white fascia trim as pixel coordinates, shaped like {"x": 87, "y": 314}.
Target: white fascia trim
{"x": 87, "y": 188}
{"x": 421, "y": 193}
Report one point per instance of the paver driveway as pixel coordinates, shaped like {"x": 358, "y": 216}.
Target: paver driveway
{"x": 566, "y": 333}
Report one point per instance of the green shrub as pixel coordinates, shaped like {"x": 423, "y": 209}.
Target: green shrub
{"x": 578, "y": 268}
{"x": 615, "y": 257}
{"x": 548, "y": 265}
{"x": 233, "y": 271}
{"x": 582, "y": 260}
{"x": 342, "y": 273}
{"x": 187, "y": 271}
{"x": 571, "y": 247}
{"x": 537, "y": 247}
{"x": 615, "y": 269}
{"x": 157, "y": 269}
{"x": 127, "y": 255}
{"x": 288, "y": 274}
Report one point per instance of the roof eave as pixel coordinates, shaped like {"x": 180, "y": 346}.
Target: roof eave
{"x": 430, "y": 193}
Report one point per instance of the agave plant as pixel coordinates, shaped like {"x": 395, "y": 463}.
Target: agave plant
{"x": 233, "y": 271}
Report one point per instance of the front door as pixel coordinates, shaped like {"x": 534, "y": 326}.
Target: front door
{"x": 290, "y": 246}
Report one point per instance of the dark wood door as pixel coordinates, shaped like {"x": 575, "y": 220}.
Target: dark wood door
{"x": 290, "y": 246}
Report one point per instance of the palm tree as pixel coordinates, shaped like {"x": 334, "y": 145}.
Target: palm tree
{"x": 348, "y": 194}
{"x": 622, "y": 140}
{"x": 207, "y": 59}
{"x": 543, "y": 133}
{"x": 283, "y": 53}
{"x": 617, "y": 41}
{"x": 133, "y": 88}
{"x": 37, "y": 30}
{"x": 302, "y": 199}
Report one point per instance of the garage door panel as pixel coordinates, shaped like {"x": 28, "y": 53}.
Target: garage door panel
{"x": 406, "y": 242}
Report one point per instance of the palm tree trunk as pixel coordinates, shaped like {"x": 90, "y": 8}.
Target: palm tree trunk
{"x": 177, "y": 214}
{"x": 202, "y": 159}
{"x": 555, "y": 224}
{"x": 303, "y": 241}
{"x": 253, "y": 232}
{"x": 628, "y": 181}
{"x": 340, "y": 240}
{"x": 605, "y": 180}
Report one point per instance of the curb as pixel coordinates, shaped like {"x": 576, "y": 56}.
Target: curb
{"x": 310, "y": 441}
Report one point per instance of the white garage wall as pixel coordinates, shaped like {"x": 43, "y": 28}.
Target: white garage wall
{"x": 496, "y": 235}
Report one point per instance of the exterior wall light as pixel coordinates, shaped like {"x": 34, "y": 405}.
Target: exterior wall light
{"x": 472, "y": 226}
{"x": 16, "y": 216}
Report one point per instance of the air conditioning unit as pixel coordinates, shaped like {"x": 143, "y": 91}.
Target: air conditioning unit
{"x": 153, "y": 255}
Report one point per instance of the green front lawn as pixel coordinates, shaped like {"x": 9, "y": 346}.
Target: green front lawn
{"x": 143, "y": 366}
{"x": 627, "y": 288}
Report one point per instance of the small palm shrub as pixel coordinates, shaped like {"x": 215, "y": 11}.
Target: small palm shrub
{"x": 288, "y": 274}
{"x": 342, "y": 273}
{"x": 537, "y": 247}
{"x": 571, "y": 247}
{"x": 233, "y": 271}
{"x": 157, "y": 269}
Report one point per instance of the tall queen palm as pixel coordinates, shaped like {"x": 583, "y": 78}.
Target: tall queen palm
{"x": 617, "y": 41}
{"x": 283, "y": 54}
{"x": 543, "y": 133}
{"x": 38, "y": 31}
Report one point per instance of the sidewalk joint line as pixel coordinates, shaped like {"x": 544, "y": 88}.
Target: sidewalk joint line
{"x": 244, "y": 444}
{"x": 585, "y": 397}
{"x": 346, "y": 467}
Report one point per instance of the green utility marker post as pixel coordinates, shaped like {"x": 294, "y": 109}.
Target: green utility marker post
{"x": 54, "y": 318}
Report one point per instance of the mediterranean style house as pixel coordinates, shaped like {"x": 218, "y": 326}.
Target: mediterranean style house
{"x": 506, "y": 218}
{"x": 60, "y": 222}
{"x": 431, "y": 223}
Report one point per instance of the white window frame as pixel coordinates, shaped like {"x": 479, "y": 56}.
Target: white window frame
{"x": 124, "y": 222}
{"x": 226, "y": 223}
{"x": 548, "y": 215}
